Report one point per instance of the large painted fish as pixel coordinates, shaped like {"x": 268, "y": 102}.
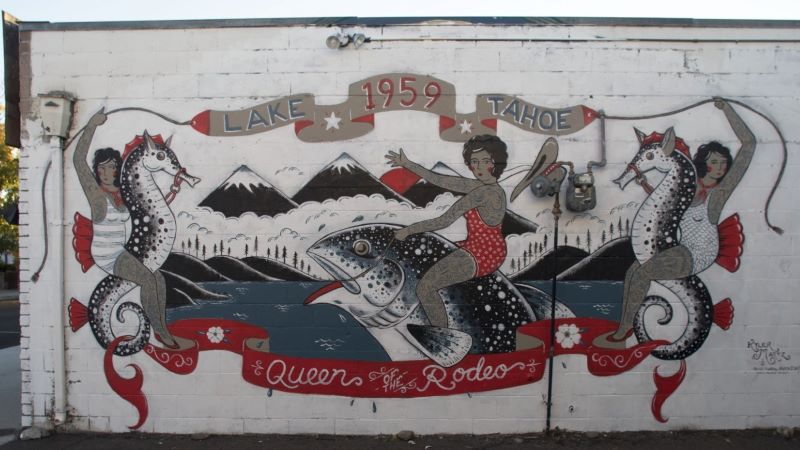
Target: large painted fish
{"x": 376, "y": 283}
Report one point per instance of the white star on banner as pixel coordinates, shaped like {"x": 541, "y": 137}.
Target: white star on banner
{"x": 466, "y": 127}
{"x": 332, "y": 122}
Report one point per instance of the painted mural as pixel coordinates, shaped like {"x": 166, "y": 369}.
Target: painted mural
{"x": 352, "y": 285}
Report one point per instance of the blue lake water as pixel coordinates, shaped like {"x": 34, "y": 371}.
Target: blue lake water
{"x": 325, "y": 331}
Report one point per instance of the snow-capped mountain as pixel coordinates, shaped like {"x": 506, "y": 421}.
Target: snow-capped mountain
{"x": 422, "y": 192}
{"x": 343, "y": 177}
{"x": 245, "y": 191}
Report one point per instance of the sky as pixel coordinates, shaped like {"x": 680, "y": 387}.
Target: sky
{"x": 121, "y": 10}
{"x": 105, "y": 10}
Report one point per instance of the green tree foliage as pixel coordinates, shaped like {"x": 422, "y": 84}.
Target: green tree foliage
{"x": 9, "y": 194}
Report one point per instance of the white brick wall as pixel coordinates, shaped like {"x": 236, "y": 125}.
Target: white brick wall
{"x": 623, "y": 70}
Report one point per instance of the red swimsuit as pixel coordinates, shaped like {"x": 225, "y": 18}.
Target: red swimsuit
{"x": 485, "y": 243}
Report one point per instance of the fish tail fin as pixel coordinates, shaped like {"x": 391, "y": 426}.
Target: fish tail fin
{"x": 445, "y": 346}
{"x": 78, "y": 314}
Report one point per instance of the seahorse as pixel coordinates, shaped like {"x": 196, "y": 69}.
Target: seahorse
{"x": 656, "y": 228}
{"x": 153, "y": 231}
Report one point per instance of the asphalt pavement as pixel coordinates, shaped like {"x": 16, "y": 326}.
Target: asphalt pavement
{"x": 707, "y": 440}
{"x": 9, "y": 366}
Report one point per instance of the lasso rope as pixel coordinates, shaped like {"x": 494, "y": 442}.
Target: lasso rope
{"x": 35, "y": 276}
{"x": 784, "y": 147}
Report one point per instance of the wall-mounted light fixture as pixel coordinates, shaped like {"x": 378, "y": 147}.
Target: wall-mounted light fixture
{"x": 341, "y": 40}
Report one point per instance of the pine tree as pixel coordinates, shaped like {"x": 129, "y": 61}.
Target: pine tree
{"x": 245, "y": 250}
{"x": 284, "y": 254}
{"x": 277, "y": 252}
{"x": 183, "y": 247}
{"x": 294, "y": 260}
{"x": 196, "y": 245}
{"x": 619, "y": 226}
{"x": 255, "y": 246}
{"x": 229, "y": 251}
{"x": 589, "y": 241}
{"x": 565, "y": 239}
{"x": 220, "y": 247}
{"x": 603, "y": 237}
{"x": 525, "y": 258}
{"x": 189, "y": 244}
{"x": 513, "y": 266}
{"x": 627, "y": 227}
{"x": 611, "y": 230}
{"x": 578, "y": 241}
{"x": 530, "y": 249}
{"x": 268, "y": 254}
{"x": 215, "y": 249}
{"x": 302, "y": 266}
{"x": 204, "y": 251}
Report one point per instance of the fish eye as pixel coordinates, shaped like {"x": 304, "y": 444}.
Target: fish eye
{"x": 160, "y": 156}
{"x": 649, "y": 155}
{"x": 361, "y": 247}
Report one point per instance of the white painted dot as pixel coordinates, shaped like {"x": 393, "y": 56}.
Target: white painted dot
{"x": 501, "y": 295}
{"x": 488, "y": 307}
{"x": 501, "y": 327}
{"x": 417, "y": 252}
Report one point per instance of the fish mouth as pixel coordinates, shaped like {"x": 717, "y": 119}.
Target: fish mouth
{"x": 322, "y": 291}
{"x": 341, "y": 277}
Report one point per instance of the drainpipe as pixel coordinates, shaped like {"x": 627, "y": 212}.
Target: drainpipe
{"x": 56, "y": 113}
{"x": 59, "y": 344}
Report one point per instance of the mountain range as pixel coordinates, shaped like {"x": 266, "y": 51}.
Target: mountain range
{"x": 245, "y": 191}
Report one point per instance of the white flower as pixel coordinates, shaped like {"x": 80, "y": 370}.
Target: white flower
{"x": 215, "y": 335}
{"x": 568, "y": 335}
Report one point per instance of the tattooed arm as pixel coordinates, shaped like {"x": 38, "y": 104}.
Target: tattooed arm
{"x": 453, "y": 183}
{"x": 741, "y": 162}
{"x": 486, "y": 199}
{"x": 96, "y": 197}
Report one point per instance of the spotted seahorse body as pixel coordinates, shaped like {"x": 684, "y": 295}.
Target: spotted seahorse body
{"x": 656, "y": 228}
{"x": 152, "y": 235}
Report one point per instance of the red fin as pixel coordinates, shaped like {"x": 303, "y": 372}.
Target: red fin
{"x": 83, "y": 232}
{"x": 731, "y": 243}
{"x": 723, "y": 314}
{"x": 77, "y": 314}
{"x": 129, "y": 389}
{"x": 399, "y": 179}
{"x": 665, "y": 386}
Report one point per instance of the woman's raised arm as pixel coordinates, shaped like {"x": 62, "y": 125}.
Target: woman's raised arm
{"x": 86, "y": 176}
{"x": 457, "y": 184}
{"x": 741, "y": 161}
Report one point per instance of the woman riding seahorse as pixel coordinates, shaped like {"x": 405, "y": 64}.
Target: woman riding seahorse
{"x": 675, "y": 262}
{"x": 118, "y": 191}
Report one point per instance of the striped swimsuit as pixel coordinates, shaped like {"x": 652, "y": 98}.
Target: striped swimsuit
{"x": 110, "y": 236}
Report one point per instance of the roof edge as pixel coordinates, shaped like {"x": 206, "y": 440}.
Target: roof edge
{"x": 399, "y": 21}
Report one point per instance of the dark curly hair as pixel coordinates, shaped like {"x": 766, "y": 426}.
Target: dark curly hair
{"x": 105, "y": 155}
{"x": 704, "y": 151}
{"x": 493, "y": 145}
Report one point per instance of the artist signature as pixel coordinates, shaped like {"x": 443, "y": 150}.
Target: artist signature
{"x": 765, "y": 353}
